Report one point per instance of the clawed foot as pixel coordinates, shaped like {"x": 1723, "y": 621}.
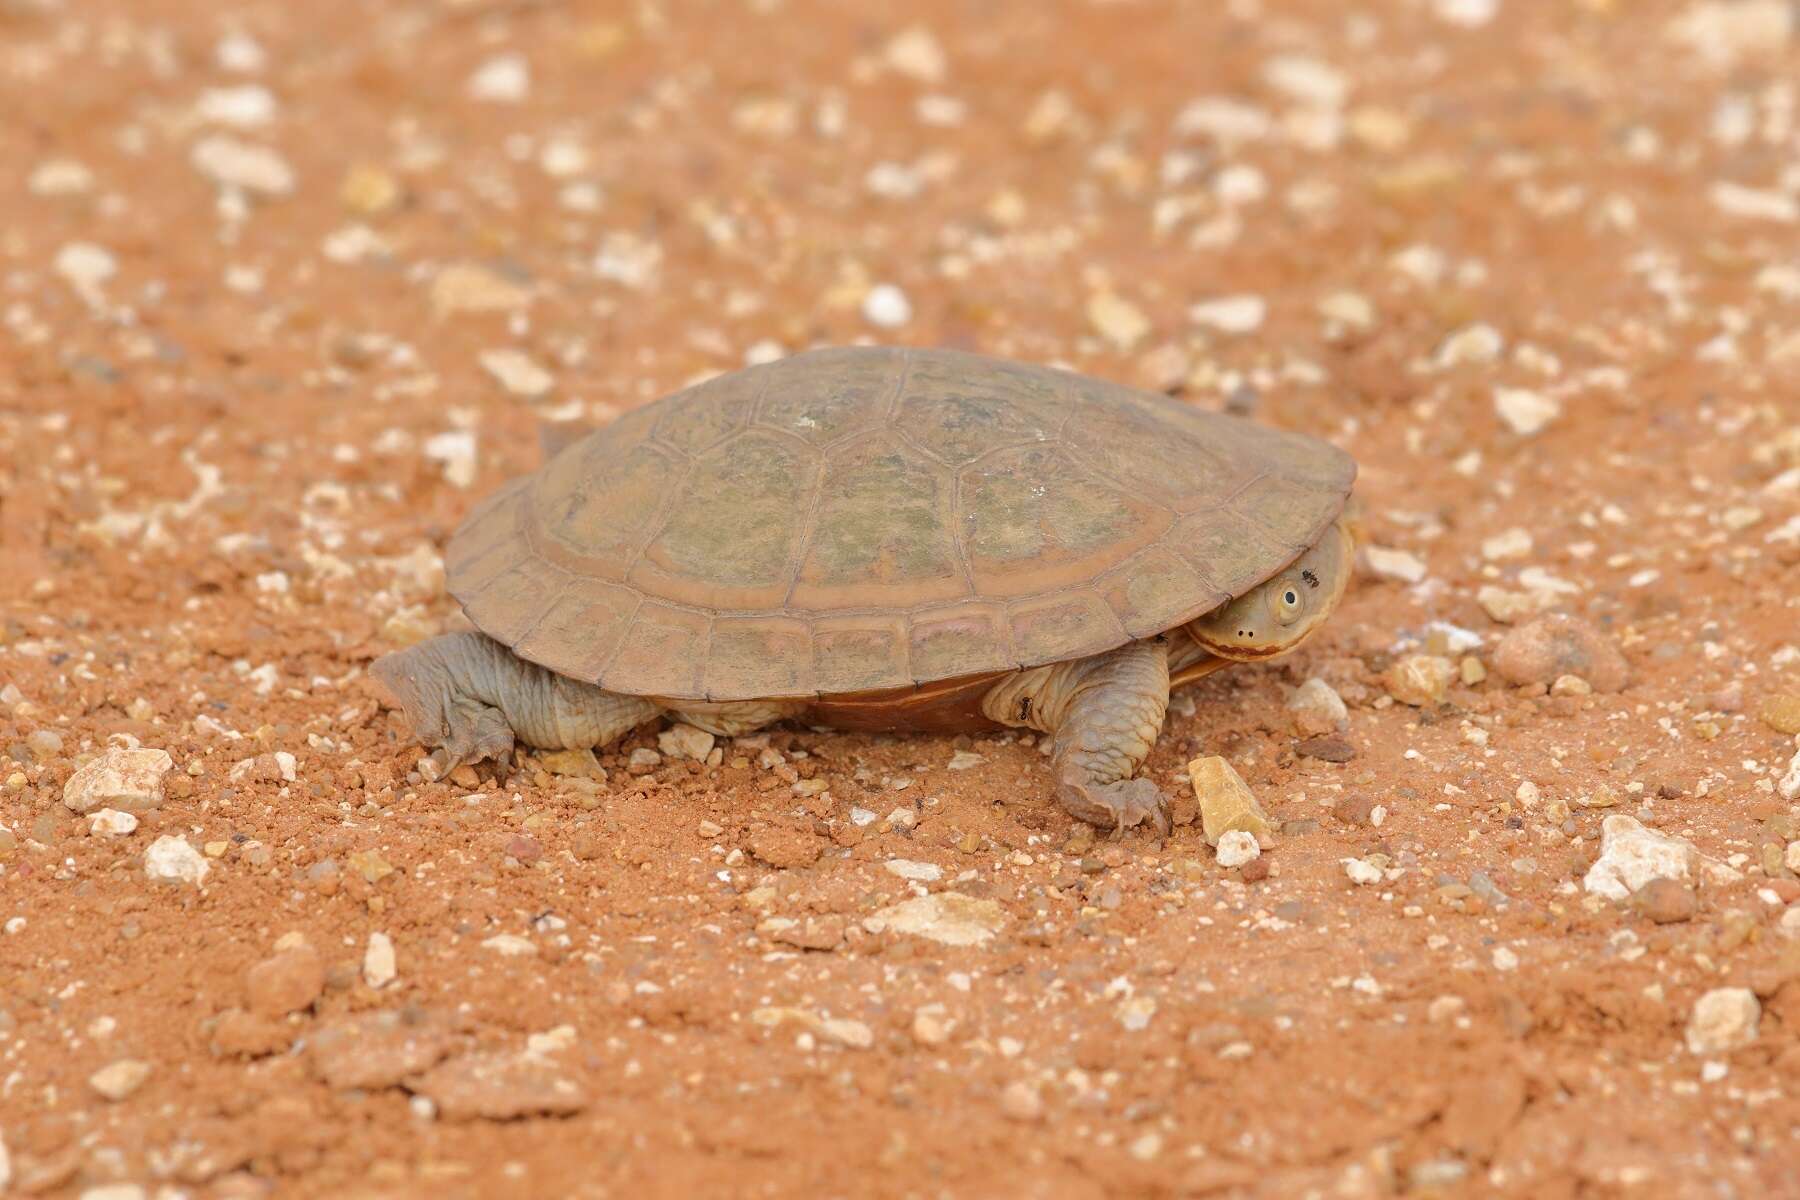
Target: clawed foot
{"x": 475, "y": 732}
{"x": 1117, "y": 806}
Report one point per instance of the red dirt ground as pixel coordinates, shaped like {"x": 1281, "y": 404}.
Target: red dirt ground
{"x": 1536, "y": 265}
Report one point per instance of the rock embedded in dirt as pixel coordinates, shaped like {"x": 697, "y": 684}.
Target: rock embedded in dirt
{"x": 1781, "y": 712}
{"x": 110, "y": 822}
{"x": 285, "y": 982}
{"x": 1397, "y": 565}
{"x": 1020, "y": 1101}
{"x": 1723, "y": 1020}
{"x": 1631, "y": 856}
{"x": 1326, "y": 749}
{"x": 1354, "y": 810}
{"x": 377, "y": 1049}
{"x": 379, "y": 966}
{"x": 1317, "y": 708}
{"x": 1226, "y": 801}
{"x": 117, "y": 1080}
{"x": 1237, "y": 848}
{"x": 501, "y": 1086}
{"x": 1665, "y": 901}
{"x": 127, "y": 780}
{"x": 1554, "y": 645}
{"x": 685, "y": 741}
{"x": 171, "y": 860}
{"x": 948, "y": 917}
{"x": 1420, "y": 679}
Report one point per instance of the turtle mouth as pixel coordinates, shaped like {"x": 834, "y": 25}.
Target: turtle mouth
{"x": 1238, "y": 652}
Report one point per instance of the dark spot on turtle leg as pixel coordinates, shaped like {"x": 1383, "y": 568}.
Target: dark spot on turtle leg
{"x": 1024, "y": 708}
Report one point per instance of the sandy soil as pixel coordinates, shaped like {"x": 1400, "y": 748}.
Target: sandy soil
{"x": 287, "y": 288}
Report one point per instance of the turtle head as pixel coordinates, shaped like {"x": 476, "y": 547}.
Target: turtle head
{"x": 1280, "y": 613}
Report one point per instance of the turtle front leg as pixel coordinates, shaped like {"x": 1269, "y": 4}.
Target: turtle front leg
{"x": 470, "y": 698}
{"x": 1104, "y": 714}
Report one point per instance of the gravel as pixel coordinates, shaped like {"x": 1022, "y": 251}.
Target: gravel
{"x": 171, "y": 859}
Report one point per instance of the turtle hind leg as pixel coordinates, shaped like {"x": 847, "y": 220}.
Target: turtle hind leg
{"x": 1111, "y": 715}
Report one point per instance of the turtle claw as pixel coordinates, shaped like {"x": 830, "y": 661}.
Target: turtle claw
{"x": 1118, "y": 806}
{"x": 475, "y": 732}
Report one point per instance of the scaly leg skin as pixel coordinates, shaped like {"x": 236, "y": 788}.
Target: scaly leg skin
{"x": 469, "y": 698}
{"x": 1105, "y": 714}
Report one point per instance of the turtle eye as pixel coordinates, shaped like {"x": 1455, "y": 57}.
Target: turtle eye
{"x": 1286, "y": 603}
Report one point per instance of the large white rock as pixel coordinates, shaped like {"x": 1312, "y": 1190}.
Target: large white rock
{"x": 127, "y": 780}
{"x": 1723, "y": 1019}
{"x": 1631, "y": 856}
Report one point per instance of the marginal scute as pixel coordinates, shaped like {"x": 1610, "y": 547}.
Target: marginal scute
{"x": 868, "y": 519}
{"x": 662, "y": 653}
{"x": 961, "y": 640}
{"x": 860, "y": 654}
{"x": 1143, "y": 593}
{"x": 771, "y": 656}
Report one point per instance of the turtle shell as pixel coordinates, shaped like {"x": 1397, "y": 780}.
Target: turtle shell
{"x": 863, "y": 519}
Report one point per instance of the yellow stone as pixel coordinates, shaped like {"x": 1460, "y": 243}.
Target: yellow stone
{"x": 1782, "y": 713}
{"x": 369, "y": 189}
{"x": 1226, "y": 802}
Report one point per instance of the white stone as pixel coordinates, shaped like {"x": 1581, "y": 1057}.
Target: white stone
{"x": 171, "y": 860}
{"x": 1513, "y": 543}
{"x": 685, "y": 741}
{"x": 1789, "y": 787}
{"x": 916, "y": 54}
{"x": 629, "y": 260}
{"x": 1723, "y": 31}
{"x": 125, "y": 779}
{"x": 86, "y": 265}
{"x": 1468, "y": 14}
{"x": 515, "y": 371}
{"x": 245, "y": 106}
{"x": 241, "y": 53}
{"x": 1470, "y": 344}
{"x": 919, "y": 872}
{"x": 118, "y": 1080}
{"x": 379, "y": 966}
{"x": 1631, "y": 856}
{"x": 964, "y": 760}
{"x": 1318, "y": 707}
{"x": 229, "y": 162}
{"x": 948, "y": 917}
{"x": 5, "y": 1165}
{"x": 1755, "y": 204}
{"x": 455, "y": 449}
{"x": 504, "y": 79}
{"x": 1361, "y": 872}
{"x": 509, "y": 945}
{"x": 1226, "y": 121}
{"x": 1386, "y": 563}
{"x": 60, "y": 177}
{"x": 1723, "y": 1020}
{"x": 1525, "y": 412}
{"x": 1306, "y": 80}
{"x": 1504, "y": 959}
{"x": 1117, "y": 319}
{"x": 1237, "y": 848}
{"x": 110, "y": 822}
{"x": 886, "y": 307}
{"x": 1230, "y": 314}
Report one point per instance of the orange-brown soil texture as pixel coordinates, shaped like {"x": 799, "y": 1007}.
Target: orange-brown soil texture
{"x": 285, "y": 289}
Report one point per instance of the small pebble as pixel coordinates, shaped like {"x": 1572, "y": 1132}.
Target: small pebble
{"x": 118, "y": 1080}
{"x": 1525, "y": 412}
{"x": 1555, "y": 645}
{"x": 1236, "y": 848}
{"x": 1420, "y": 679}
{"x": 379, "y": 966}
{"x": 171, "y": 859}
{"x": 1020, "y": 1101}
{"x": 1723, "y": 1020}
{"x": 285, "y": 982}
{"x": 886, "y": 307}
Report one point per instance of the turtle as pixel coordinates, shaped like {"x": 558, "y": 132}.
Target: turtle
{"x": 885, "y": 538}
